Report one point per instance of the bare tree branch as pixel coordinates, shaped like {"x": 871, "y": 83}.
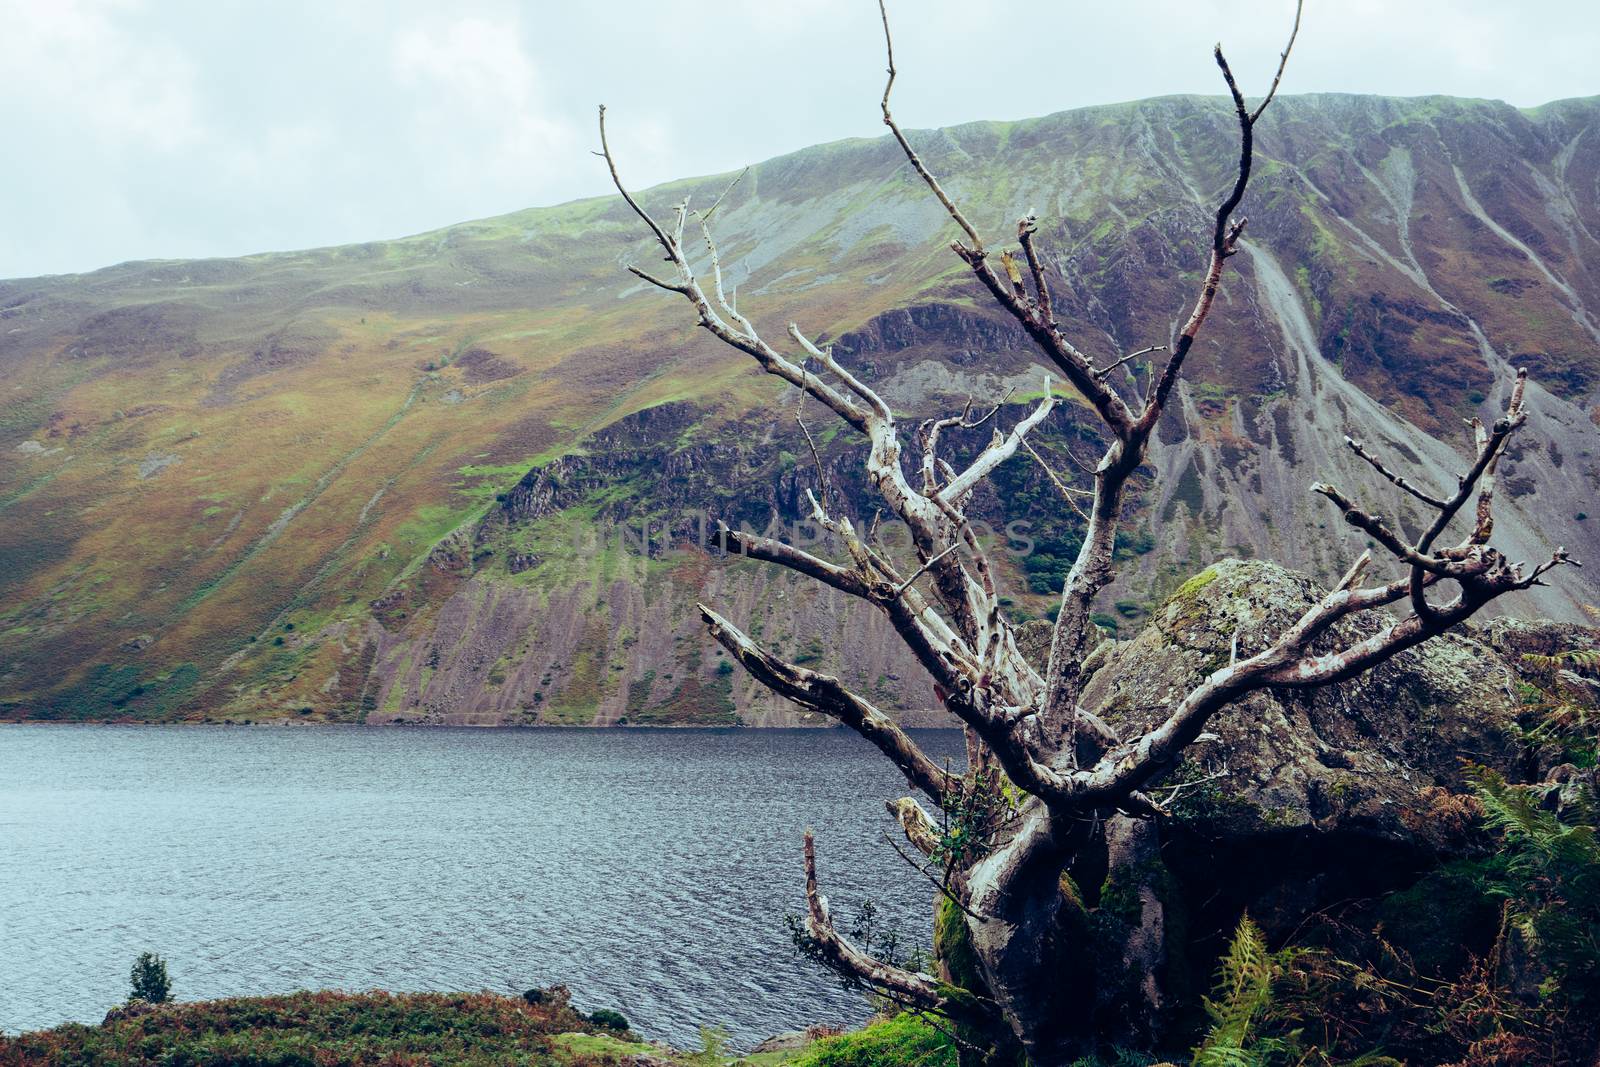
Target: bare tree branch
{"x": 1377, "y": 464}
{"x": 1481, "y": 572}
{"x": 905, "y": 146}
{"x": 705, "y": 219}
{"x": 771, "y": 550}
{"x": 1489, "y": 445}
{"x": 822, "y": 472}
{"x": 1225, "y": 232}
{"x": 998, "y": 452}
{"x": 910, "y": 986}
{"x": 1485, "y": 517}
{"x": 1068, "y": 493}
{"x": 1033, "y": 315}
{"x": 919, "y": 828}
{"x": 1379, "y": 532}
{"x": 1026, "y": 227}
{"x": 920, "y": 571}
{"x": 825, "y": 693}
{"x": 741, "y": 336}
{"x": 1105, "y": 371}
{"x": 1283, "y": 61}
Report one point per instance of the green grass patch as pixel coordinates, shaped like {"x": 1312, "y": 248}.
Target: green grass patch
{"x": 903, "y": 1041}
{"x": 601, "y": 1046}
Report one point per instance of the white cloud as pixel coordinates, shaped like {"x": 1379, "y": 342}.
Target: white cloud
{"x": 479, "y": 103}
{"x": 138, "y": 128}
{"x": 76, "y": 59}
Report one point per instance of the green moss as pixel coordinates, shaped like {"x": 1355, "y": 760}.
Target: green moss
{"x": 1188, "y": 590}
{"x": 1120, "y": 901}
{"x": 903, "y": 1041}
{"x": 1121, "y": 910}
{"x": 952, "y": 946}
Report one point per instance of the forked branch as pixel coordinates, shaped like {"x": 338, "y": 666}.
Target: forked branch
{"x": 1032, "y": 727}
{"x": 911, "y": 987}
{"x": 826, "y": 694}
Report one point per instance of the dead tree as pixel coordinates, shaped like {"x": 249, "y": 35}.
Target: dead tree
{"x": 1049, "y": 780}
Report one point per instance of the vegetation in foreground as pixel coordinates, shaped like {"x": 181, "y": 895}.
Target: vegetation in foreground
{"x": 328, "y": 1028}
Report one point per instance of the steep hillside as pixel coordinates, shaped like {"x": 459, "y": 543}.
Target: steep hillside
{"x": 390, "y": 481}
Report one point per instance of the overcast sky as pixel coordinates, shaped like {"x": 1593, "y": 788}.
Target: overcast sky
{"x": 171, "y": 128}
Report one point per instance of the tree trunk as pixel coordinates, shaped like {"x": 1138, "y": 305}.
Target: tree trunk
{"x": 1030, "y": 932}
{"x": 1071, "y": 975}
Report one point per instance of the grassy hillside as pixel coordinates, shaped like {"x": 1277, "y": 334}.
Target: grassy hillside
{"x": 282, "y": 486}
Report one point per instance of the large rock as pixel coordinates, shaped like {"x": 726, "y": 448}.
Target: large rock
{"x": 1377, "y": 757}
{"x": 131, "y": 1009}
{"x": 1297, "y": 804}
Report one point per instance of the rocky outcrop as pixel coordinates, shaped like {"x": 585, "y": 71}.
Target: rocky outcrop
{"x": 573, "y": 599}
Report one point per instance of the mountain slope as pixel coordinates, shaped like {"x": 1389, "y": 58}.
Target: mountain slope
{"x": 295, "y": 483}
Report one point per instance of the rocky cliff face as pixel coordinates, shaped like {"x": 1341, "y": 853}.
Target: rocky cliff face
{"x": 396, "y": 481}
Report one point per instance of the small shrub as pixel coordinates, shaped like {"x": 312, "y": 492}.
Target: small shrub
{"x": 1552, "y": 884}
{"x": 610, "y": 1019}
{"x": 555, "y": 996}
{"x": 149, "y": 979}
{"x": 1243, "y": 995}
{"x": 713, "y": 1046}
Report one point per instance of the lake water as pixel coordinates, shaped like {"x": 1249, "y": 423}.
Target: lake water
{"x": 648, "y": 870}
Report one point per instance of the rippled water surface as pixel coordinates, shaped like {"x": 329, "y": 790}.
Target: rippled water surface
{"x": 649, "y": 870}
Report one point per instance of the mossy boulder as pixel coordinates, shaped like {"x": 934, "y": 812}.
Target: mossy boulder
{"x": 1372, "y": 756}
{"x": 1303, "y": 803}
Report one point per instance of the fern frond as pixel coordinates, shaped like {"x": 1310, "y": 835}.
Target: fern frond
{"x": 1586, "y": 658}
{"x": 1243, "y": 994}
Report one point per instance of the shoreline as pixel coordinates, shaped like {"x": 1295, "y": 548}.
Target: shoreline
{"x": 300, "y": 724}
